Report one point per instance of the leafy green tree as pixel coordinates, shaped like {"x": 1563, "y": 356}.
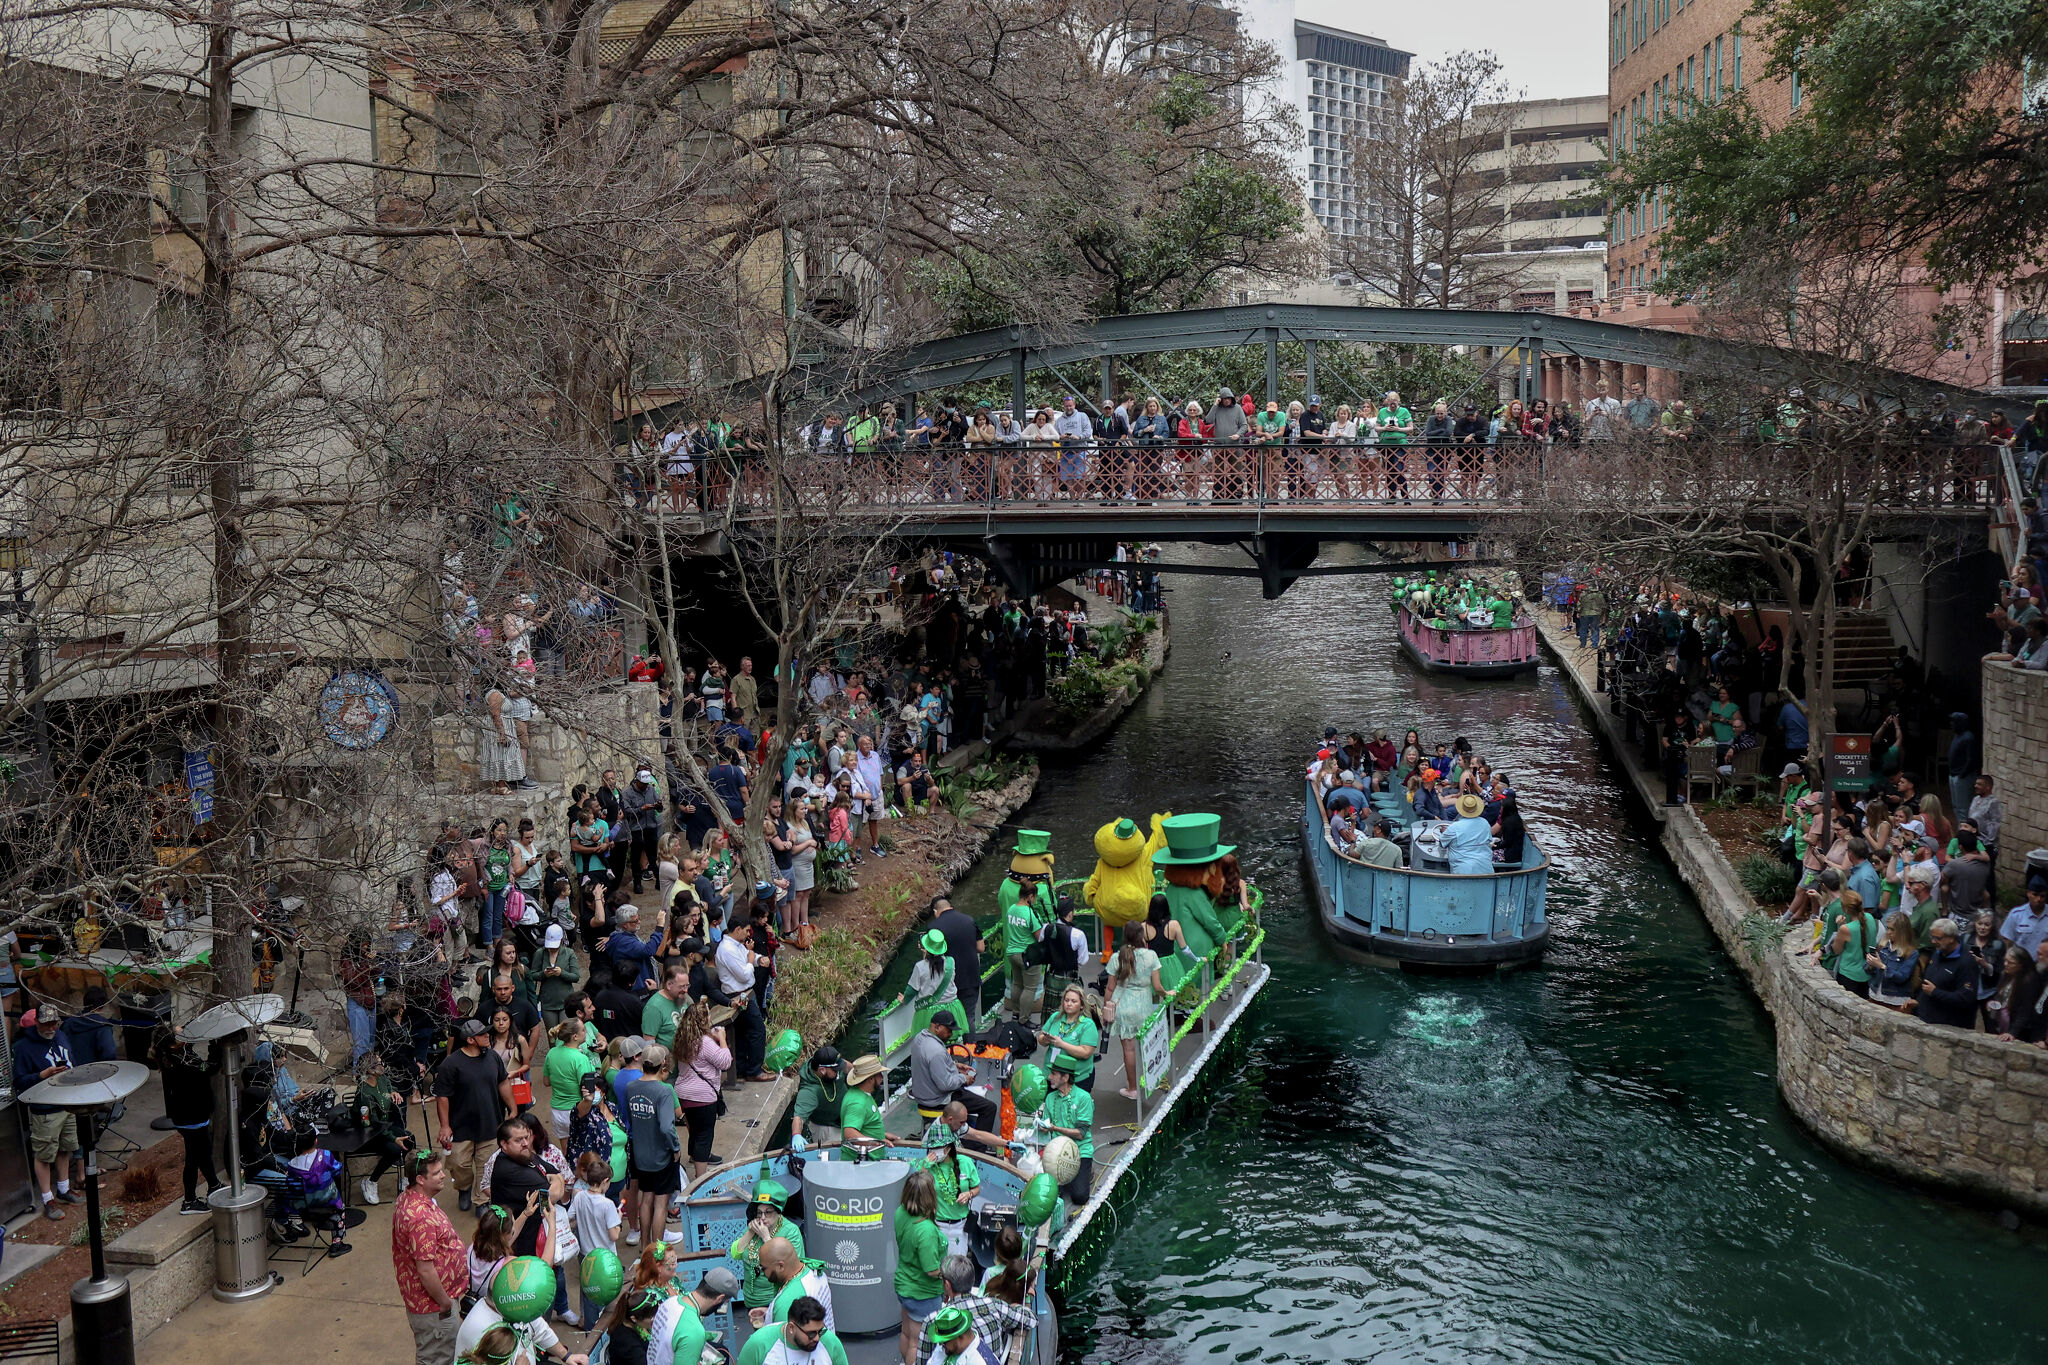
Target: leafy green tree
{"x": 1919, "y": 135}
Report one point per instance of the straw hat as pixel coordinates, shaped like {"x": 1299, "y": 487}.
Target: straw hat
{"x": 865, "y": 1068}
{"x": 1470, "y": 805}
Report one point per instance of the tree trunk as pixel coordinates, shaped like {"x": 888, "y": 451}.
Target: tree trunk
{"x": 226, "y": 453}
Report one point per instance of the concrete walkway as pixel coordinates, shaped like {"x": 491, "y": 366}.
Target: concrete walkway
{"x": 348, "y": 1308}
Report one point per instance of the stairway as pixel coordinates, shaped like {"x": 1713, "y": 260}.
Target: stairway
{"x": 1863, "y": 648}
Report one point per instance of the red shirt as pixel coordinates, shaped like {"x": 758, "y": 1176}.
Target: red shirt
{"x": 420, "y": 1231}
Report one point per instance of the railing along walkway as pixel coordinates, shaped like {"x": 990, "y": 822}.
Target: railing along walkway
{"x": 1418, "y": 478}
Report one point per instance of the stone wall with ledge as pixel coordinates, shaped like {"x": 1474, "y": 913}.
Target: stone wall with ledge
{"x": 2015, "y": 736}
{"x": 1937, "y": 1106}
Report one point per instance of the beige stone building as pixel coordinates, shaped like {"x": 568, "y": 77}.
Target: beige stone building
{"x": 1543, "y": 178}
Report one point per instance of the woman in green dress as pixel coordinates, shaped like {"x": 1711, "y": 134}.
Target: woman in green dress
{"x": 1135, "y": 990}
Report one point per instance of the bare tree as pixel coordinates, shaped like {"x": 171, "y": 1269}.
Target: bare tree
{"x": 1438, "y": 177}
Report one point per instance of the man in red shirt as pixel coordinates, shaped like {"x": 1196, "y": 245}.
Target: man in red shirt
{"x": 430, "y": 1260}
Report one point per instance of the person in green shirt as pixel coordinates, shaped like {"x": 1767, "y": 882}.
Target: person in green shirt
{"x": 565, "y": 1067}
{"x": 801, "y": 1339}
{"x": 955, "y": 1179}
{"x": 1851, "y": 941}
{"x": 1722, "y": 715}
{"x": 1397, "y": 423}
{"x": 765, "y": 1223}
{"x": 860, "y": 1115}
{"x": 819, "y": 1099}
{"x": 680, "y": 1321}
{"x": 664, "y": 1008}
{"x": 795, "y": 1277}
{"x": 920, "y": 1251}
{"x": 1070, "y": 1112}
{"x": 1271, "y": 424}
{"x": 1073, "y": 1033}
{"x": 1025, "y": 901}
{"x": 553, "y": 972}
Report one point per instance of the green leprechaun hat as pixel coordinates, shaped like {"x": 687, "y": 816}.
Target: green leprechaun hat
{"x": 1192, "y": 840}
{"x": 1033, "y": 852}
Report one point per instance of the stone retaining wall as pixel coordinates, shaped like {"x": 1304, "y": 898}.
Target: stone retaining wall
{"x": 1937, "y": 1106}
{"x": 2015, "y": 735}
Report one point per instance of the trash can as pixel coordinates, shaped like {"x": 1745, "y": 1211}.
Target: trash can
{"x": 241, "y": 1252}
{"x": 2037, "y": 864}
{"x": 849, "y": 1223}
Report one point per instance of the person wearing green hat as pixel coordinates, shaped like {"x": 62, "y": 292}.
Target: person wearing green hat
{"x": 932, "y": 987}
{"x": 1070, "y": 1112}
{"x": 765, "y": 1223}
{"x": 955, "y": 1340}
{"x": 955, "y": 1181}
{"x": 1192, "y": 860}
{"x": 1025, "y": 902}
{"x": 678, "y": 1335}
{"x": 802, "y": 1338}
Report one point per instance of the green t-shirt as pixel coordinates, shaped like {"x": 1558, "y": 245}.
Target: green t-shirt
{"x": 1075, "y": 1109}
{"x": 755, "y": 1286}
{"x": 1270, "y": 424}
{"x": 1081, "y": 1033}
{"x": 658, "y": 1019}
{"x": 1723, "y": 714}
{"x": 859, "y": 1113}
{"x": 1862, "y": 930}
{"x": 920, "y": 1248}
{"x": 565, "y": 1069}
{"x": 498, "y": 869}
{"x": 1390, "y": 418}
{"x": 762, "y": 1344}
{"x": 618, "y": 1149}
{"x": 1023, "y": 916}
{"x": 778, "y": 1308}
{"x": 689, "y": 1335}
{"x": 949, "y": 1180}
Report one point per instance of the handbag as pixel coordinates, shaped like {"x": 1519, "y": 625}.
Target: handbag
{"x": 522, "y": 1092}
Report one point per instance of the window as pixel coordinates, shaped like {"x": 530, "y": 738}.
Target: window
{"x": 1718, "y": 87}
{"x": 1691, "y": 71}
{"x": 1737, "y": 59}
{"x": 1798, "y": 53}
{"x": 1614, "y": 40}
{"x": 186, "y": 188}
{"x": 454, "y": 155}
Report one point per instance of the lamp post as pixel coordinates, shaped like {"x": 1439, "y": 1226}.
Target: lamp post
{"x": 102, "y": 1325}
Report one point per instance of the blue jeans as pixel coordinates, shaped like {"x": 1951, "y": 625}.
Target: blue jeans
{"x": 1589, "y": 626}
{"x": 492, "y": 922}
{"x": 362, "y": 1031}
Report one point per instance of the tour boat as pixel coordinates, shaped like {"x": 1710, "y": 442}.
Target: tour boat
{"x": 1423, "y": 915}
{"x": 1469, "y": 650}
{"x": 846, "y": 1208}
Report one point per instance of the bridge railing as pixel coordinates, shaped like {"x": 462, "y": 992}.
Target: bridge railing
{"x": 962, "y": 479}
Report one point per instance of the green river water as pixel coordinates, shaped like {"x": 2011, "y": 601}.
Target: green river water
{"x": 1587, "y": 1161}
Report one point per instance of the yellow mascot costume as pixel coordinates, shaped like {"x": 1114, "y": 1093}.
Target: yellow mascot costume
{"x": 1120, "y": 889}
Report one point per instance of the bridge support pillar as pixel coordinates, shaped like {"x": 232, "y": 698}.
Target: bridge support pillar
{"x": 1281, "y": 558}
{"x": 1273, "y": 366}
{"x": 1308, "y": 349}
{"x": 1017, "y": 385}
{"x": 1108, "y": 385}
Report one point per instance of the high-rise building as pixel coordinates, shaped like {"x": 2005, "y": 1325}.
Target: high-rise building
{"x": 1338, "y": 84}
{"x": 1544, "y": 173}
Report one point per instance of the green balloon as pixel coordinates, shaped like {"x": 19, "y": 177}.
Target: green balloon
{"x": 602, "y": 1275}
{"x": 785, "y": 1050}
{"x": 1041, "y": 1197}
{"x": 524, "y": 1289}
{"x": 1027, "y": 1087}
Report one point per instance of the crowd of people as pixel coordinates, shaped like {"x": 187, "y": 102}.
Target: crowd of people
{"x": 1462, "y": 600}
{"x": 1480, "y": 813}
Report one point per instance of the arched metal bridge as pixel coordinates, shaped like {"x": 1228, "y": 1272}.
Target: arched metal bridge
{"x": 1016, "y": 351}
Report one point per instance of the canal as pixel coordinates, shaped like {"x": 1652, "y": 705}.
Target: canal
{"x": 1587, "y": 1161}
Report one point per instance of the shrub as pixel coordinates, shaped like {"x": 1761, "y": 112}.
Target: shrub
{"x": 1768, "y": 881}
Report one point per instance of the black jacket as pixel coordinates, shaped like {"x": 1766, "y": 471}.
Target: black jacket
{"x": 188, "y": 1086}
{"x": 1954, "y": 999}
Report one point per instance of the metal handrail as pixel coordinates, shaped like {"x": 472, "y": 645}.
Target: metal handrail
{"x": 2011, "y": 473}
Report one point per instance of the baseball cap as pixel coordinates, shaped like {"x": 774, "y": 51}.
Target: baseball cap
{"x": 1314, "y": 399}
{"x": 720, "y": 1281}
{"x": 826, "y": 1056}
{"x": 1792, "y": 770}
{"x": 472, "y": 1028}
{"x": 553, "y": 937}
